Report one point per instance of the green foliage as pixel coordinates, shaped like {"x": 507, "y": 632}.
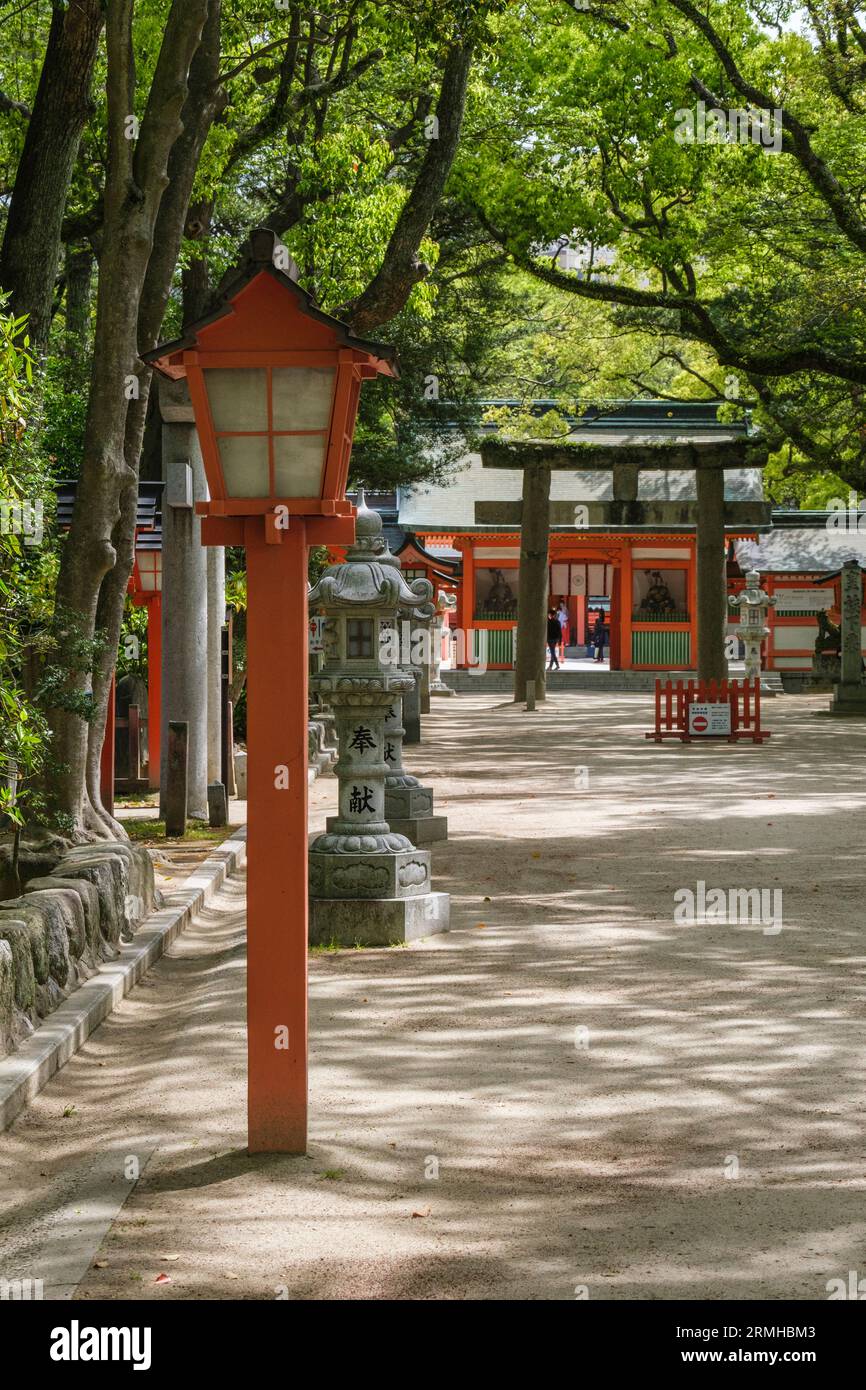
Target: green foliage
{"x": 147, "y": 831}
{"x": 64, "y": 410}
{"x": 132, "y": 652}
{"x": 26, "y": 571}
{"x": 574, "y": 136}
{"x": 75, "y": 654}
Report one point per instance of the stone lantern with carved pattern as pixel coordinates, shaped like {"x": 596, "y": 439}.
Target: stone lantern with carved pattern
{"x": 368, "y": 884}
{"x": 754, "y": 605}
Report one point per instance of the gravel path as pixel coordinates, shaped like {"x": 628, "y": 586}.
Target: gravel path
{"x": 568, "y": 1095}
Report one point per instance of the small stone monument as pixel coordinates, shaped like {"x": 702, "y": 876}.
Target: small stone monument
{"x": 369, "y": 885}
{"x": 849, "y": 696}
{"x": 445, "y": 603}
{"x": 754, "y": 604}
{"x": 827, "y": 656}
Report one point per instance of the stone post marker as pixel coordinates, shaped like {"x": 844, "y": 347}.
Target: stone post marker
{"x": 754, "y": 604}
{"x": 176, "y": 781}
{"x": 184, "y": 596}
{"x": 445, "y": 603}
{"x": 849, "y": 696}
{"x": 368, "y": 884}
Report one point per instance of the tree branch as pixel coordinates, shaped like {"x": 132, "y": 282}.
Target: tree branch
{"x": 8, "y": 103}
{"x": 795, "y": 138}
{"x": 401, "y": 268}
{"x": 698, "y": 321}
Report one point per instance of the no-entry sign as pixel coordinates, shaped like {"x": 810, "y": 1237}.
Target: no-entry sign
{"x": 710, "y": 719}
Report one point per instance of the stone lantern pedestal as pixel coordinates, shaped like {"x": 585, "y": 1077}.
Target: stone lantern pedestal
{"x": 408, "y": 805}
{"x": 369, "y": 884}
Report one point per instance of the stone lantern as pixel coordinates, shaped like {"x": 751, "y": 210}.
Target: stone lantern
{"x": 445, "y": 603}
{"x": 408, "y": 804}
{"x": 368, "y": 884}
{"x": 754, "y": 605}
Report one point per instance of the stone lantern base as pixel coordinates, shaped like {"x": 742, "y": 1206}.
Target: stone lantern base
{"x": 848, "y": 699}
{"x": 375, "y": 898}
{"x": 377, "y": 921}
{"x": 409, "y": 811}
{"x": 401, "y": 873}
{"x": 441, "y": 689}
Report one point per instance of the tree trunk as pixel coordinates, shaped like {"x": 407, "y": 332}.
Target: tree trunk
{"x": 401, "y": 269}
{"x": 195, "y": 281}
{"x": 712, "y": 574}
{"x": 79, "y": 272}
{"x": 205, "y": 100}
{"x": 31, "y": 243}
{"x": 534, "y": 584}
{"x": 100, "y": 538}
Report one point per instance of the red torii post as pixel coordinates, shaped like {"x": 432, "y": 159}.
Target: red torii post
{"x": 145, "y": 590}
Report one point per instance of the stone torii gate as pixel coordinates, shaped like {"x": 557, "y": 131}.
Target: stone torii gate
{"x": 624, "y": 456}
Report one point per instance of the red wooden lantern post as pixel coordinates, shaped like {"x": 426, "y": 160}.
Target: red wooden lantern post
{"x": 146, "y": 589}
{"x": 274, "y": 384}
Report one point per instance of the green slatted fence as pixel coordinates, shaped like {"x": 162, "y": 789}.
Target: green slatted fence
{"x": 666, "y": 650}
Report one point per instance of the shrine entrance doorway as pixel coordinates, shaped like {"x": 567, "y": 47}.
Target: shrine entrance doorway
{"x": 588, "y": 586}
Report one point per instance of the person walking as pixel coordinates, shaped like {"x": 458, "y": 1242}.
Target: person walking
{"x": 554, "y": 637}
{"x": 565, "y": 624}
{"x": 598, "y": 636}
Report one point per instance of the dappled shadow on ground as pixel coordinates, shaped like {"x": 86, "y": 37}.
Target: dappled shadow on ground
{"x": 570, "y": 1089}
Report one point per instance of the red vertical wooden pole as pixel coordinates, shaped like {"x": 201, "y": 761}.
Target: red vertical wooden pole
{"x": 617, "y": 614}
{"x": 154, "y": 688}
{"x": 106, "y": 761}
{"x": 747, "y": 686}
{"x": 277, "y": 838}
{"x": 625, "y": 599}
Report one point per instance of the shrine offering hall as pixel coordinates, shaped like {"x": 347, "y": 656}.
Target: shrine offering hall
{"x": 655, "y": 512}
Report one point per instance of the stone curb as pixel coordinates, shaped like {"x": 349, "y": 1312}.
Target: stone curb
{"x": 25, "y": 1072}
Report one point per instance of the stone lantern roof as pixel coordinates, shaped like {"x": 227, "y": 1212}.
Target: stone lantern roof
{"x": 369, "y": 576}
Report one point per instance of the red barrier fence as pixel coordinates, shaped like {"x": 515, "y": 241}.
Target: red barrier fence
{"x": 673, "y": 699}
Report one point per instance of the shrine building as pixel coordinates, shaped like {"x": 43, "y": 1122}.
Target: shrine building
{"x": 623, "y": 541}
